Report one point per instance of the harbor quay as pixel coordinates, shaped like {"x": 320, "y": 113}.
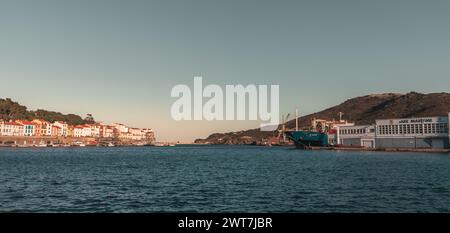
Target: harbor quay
{"x": 44, "y": 141}
{"x": 404, "y": 134}
{"x": 49, "y": 141}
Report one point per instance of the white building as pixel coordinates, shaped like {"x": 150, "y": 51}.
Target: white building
{"x": 356, "y": 136}
{"x": 86, "y": 131}
{"x": 78, "y": 131}
{"x": 96, "y": 130}
{"x": 121, "y": 128}
{"x": 137, "y": 134}
{"x": 29, "y": 128}
{"x": 12, "y": 129}
{"x": 48, "y": 129}
{"x": 64, "y": 128}
{"x": 425, "y": 132}
{"x": 108, "y": 131}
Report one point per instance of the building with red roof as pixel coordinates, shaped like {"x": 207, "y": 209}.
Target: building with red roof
{"x": 12, "y": 129}
{"x": 29, "y": 128}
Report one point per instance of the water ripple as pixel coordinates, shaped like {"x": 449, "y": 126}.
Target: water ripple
{"x": 221, "y": 179}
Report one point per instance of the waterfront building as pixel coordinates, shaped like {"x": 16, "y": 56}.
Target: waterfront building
{"x": 125, "y": 136}
{"x": 28, "y": 127}
{"x": 43, "y": 128}
{"x": 86, "y": 131}
{"x": 121, "y": 128}
{"x": 356, "y": 136}
{"x": 1, "y": 127}
{"x": 136, "y": 134}
{"x": 12, "y": 129}
{"x": 49, "y": 129}
{"x": 426, "y": 132}
{"x": 108, "y": 131}
{"x": 321, "y": 125}
{"x": 63, "y": 128}
{"x": 420, "y": 133}
{"x": 78, "y": 131}
{"x": 70, "y": 131}
{"x": 96, "y": 130}
{"x": 149, "y": 134}
{"x": 55, "y": 131}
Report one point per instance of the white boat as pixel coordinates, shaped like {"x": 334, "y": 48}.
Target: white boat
{"x": 79, "y": 144}
{"x": 161, "y": 144}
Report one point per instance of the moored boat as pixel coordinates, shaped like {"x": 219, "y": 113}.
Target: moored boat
{"x": 308, "y": 139}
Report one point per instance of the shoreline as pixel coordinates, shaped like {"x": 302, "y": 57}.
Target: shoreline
{"x": 421, "y": 150}
{"x": 59, "y": 141}
{"x": 352, "y": 149}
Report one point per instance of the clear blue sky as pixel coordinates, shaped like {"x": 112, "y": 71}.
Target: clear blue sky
{"x": 119, "y": 59}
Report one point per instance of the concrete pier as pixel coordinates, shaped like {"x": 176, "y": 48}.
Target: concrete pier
{"x": 46, "y": 140}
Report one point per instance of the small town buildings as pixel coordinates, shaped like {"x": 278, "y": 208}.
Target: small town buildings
{"x": 64, "y": 128}
{"x": 55, "y": 131}
{"x": 108, "y": 131}
{"x": 120, "y": 128}
{"x": 96, "y": 130}
{"x": 86, "y": 131}
{"x": 149, "y": 134}
{"x": 78, "y": 131}
{"x": 70, "y": 131}
{"x": 136, "y": 134}
{"x": 28, "y": 127}
{"x": 41, "y": 128}
{"x": 12, "y": 129}
{"x": 44, "y": 128}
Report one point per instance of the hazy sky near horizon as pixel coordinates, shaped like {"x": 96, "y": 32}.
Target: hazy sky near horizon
{"x": 119, "y": 59}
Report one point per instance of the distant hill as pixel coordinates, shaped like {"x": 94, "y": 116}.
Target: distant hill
{"x": 10, "y": 110}
{"x": 361, "y": 110}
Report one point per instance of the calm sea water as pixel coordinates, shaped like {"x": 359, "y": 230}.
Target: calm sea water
{"x": 221, "y": 179}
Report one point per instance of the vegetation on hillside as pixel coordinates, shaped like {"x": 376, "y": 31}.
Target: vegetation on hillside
{"x": 11, "y": 110}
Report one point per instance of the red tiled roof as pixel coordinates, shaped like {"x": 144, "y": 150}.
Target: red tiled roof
{"x": 13, "y": 123}
{"x": 25, "y": 122}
